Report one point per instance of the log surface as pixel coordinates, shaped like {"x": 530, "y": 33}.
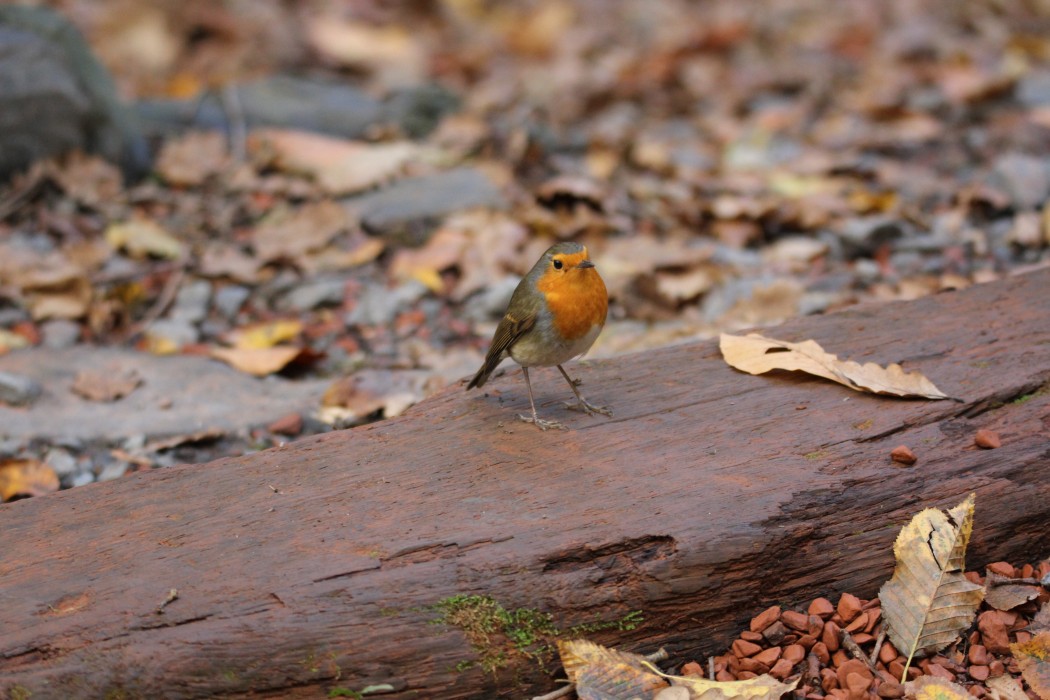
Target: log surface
{"x": 710, "y": 495}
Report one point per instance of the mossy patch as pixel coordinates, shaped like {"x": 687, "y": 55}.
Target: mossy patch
{"x": 502, "y": 637}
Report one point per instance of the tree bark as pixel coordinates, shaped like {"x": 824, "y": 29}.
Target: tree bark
{"x": 710, "y": 495}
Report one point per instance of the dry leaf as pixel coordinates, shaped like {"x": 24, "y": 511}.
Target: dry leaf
{"x": 1005, "y": 687}
{"x": 105, "y": 386}
{"x": 1041, "y": 621}
{"x": 142, "y": 237}
{"x": 287, "y": 233}
{"x": 337, "y": 165}
{"x": 929, "y": 601}
{"x": 265, "y": 335}
{"x": 763, "y": 687}
{"x": 391, "y": 52}
{"x": 601, "y": 673}
{"x": 756, "y": 354}
{"x": 26, "y": 477}
{"x": 933, "y": 688}
{"x": 189, "y": 160}
{"x": 1002, "y": 594}
{"x": 257, "y": 361}
{"x": 446, "y": 247}
{"x": 89, "y": 180}
{"x": 1033, "y": 657}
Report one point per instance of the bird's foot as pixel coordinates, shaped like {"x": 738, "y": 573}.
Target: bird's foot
{"x": 542, "y": 424}
{"x": 589, "y": 408}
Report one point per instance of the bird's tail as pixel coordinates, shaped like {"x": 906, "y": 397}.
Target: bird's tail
{"x": 483, "y": 374}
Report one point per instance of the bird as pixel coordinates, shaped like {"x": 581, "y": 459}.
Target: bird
{"x": 555, "y": 314}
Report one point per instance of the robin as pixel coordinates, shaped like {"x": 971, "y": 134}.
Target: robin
{"x": 555, "y": 314}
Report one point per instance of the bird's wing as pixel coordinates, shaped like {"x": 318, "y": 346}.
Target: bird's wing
{"x": 507, "y": 333}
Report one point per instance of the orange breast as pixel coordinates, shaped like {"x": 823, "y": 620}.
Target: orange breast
{"x": 577, "y": 300}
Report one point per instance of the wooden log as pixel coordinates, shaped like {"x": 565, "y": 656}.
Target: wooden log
{"x": 710, "y": 495}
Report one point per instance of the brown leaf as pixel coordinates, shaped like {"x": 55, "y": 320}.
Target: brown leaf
{"x": 445, "y": 248}
{"x": 756, "y": 354}
{"x": 933, "y": 688}
{"x": 257, "y": 361}
{"x": 339, "y": 166}
{"x": 1005, "y": 687}
{"x": 105, "y": 386}
{"x": 189, "y": 160}
{"x": 288, "y": 233}
{"x": 391, "y": 52}
{"x": 1033, "y": 657}
{"x": 1002, "y": 594}
{"x": 26, "y": 477}
{"x": 601, "y": 673}
{"x": 89, "y": 180}
{"x": 928, "y": 601}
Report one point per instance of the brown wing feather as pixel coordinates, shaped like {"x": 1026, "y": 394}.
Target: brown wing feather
{"x": 507, "y": 333}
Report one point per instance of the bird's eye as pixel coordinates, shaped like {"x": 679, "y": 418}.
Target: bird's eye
{"x": 557, "y": 264}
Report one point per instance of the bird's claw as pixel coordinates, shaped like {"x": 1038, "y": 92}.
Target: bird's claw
{"x": 589, "y": 408}
{"x": 542, "y": 424}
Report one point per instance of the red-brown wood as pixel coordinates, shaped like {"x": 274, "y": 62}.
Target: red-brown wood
{"x": 710, "y": 495}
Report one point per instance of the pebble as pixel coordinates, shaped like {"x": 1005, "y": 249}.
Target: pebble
{"x": 903, "y": 455}
{"x": 793, "y": 653}
{"x": 890, "y": 690}
{"x": 887, "y": 652}
{"x": 849, "y": 607}
{"x": 743, "y": 648}
{"x": 290, "y": 425}
{"x": 229, "y": 299}
{"x": 113, "y": 470}
{"x": 820, "y": 650}
{"x": 378, "y": 305}
{"x": 691, "y": 669}
{"x": 82, "y": 478}
{"x": 63, "y": 463}
{"x": 1024, "y": 178}
{"x": 822, "y": 608}
{"x": 765, "y": 618}
{"x": 978, "y": 673}
{"x": 993, "y": 632}
{"x": 172, "y": 334}
{"x": 831, "y": 636}
{"x": 782, "y": 669}
{"x": 191, "y": 302}
{"x": 328, "y": 291}
{"x": 850, "y": 667}
{"x": 18, "y": 389}
{"x": 795, "y": 620}
{"x": 59, "y": 334}
{"x": 775, "y": 633}
{"x": 768, "y": 656}
{"x": 987, "y": 439}
{"x": 1002, "y": 568}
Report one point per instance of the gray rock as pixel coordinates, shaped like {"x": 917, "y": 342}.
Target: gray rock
{"x": 409, "y": 208}
{"x": 11, "y": 447}
{"x": 491, "y": 302}
{"x": 57, "y": 96}
{"x": 175, "y": 331}
{"x": 378, "y": 305}
{"x": 1033, "y": 89}
{"x": 1025, "y": 178}
{"x": 418, "y": 110}
{"x": 82, "y": 478}
{"x": 62, "y": 462}
{"x": 12, "y": 315}
{"x": 18, "y": 389}
{"x": 230, "y": 298}
{"x": 113, "y": 470}
{"x": 318, "y": 292}
{"x": 862, "y": 236}
{"x": 60, "y": 333}
{"x": 191, "y": 302}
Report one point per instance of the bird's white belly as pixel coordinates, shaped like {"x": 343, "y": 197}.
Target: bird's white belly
{"x": 535, "y": 351}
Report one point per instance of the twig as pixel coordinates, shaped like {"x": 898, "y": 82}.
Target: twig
{"x": 173, "y": 595}
{"x": 851, "y": 647}
{"x": 711, "y": 667}
{"x": 660, "y": 655}
{"x": 878, "y": 647}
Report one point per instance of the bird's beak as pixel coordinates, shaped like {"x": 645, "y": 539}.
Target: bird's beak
{"x": 585, "y": 264}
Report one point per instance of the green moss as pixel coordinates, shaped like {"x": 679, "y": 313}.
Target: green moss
{"x": 819, "y": 454}
{"x": 501, "y": 637}
{"x": 19, "y": 692}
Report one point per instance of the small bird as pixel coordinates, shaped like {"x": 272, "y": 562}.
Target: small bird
{"x": 555, "y": 314}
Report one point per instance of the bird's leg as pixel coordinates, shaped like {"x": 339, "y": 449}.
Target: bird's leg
{"x": 535, "y": 419}
{"x": 583, "y": 404}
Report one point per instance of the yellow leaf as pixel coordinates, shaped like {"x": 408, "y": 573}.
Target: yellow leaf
{"x": 756, "y": 354}
{"x": 933, "y": 688}
{"x": 26, "y": 477}
{"x": 763, "y": 687}
{"x": 928, "y": 601}
{"x": 600, "y": 672}
{"x": 1033, "y": 657}
{"x": 142, "y": 237}
{"x": 266, "y": 335}
{"x": 257, "y": 361}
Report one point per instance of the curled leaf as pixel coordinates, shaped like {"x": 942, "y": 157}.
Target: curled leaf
{"x": 763, "y": 687}
{"x": 756, "y": 354}
{"x": 928, "y": 601}
{"x": 601, "y": 673}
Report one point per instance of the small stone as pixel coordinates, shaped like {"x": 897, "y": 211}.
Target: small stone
{"x": 320, "y": 292}
{"x": 290, "y": 425}
{"x": 820, "y": 651}
{"x": 862, "y": 638}
{"x": 849, "y": 606}
{"x": 1002, "y": 568}
{"x": 939, "y": 671}
{"x": 895, "y": 667}
{"x": 996, "y": 668}
{"x": 903, "y": 455}
{"x": 807, "y": 641}
{"x": 858, "y": 624}
{"x": 60, "y": 334}
{"x": 742, "y": 648}
{"x": 987, "y": 439}
{"x": 1023, "y": 177}
{"x": 828, "y": 679}
{"x": 692, "y": 669}
{"x": 18, "y": 389}
{"x": 168, "y": 335}
{"x": 752, "y": 636}
{"x": 887, "y": 652}
{"x": 814, "y": 625}
{"x": 978, "y": 673}
{"x": 746, "y": 675}
{"x": 768, "y": 656}
{"x": 890, "y": 690}
{"x": 765, "y": 618}
{"x": 795, "y": 620}
{"x": 993, "y": 632}
{"x": 794, "y": 653}
{"x": 82, "y": 479}
{"x": 378, "y": 305}
{"x": 839, "y": 657}
{"x": 850, "y": 667}
{"x": 782, "y": 669}
{"x": 857, "y": 682}
{"x": 191, "y": 302}
{"x": 821, "y": 607}
{"x": 831, "y": 636}
{"x": 724, "y": 676}
{"x": 775, "y": 633}
{"x": 978, "y": 655}
{"x": 229, "y": 299}
{"x": 63, "y": 463}
{"x": 752, "y": 665}
{"x": 113, "y": 470}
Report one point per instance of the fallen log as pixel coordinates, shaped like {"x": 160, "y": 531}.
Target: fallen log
{"x": 322, "y": 566}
